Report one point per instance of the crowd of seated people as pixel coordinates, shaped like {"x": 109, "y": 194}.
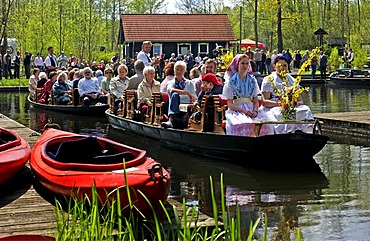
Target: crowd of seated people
{"x": 238, "y": 87}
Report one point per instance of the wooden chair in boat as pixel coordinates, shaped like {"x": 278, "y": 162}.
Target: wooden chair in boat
{"x": 38, "y": 94}
{"x": 158, "y": 100}
{"x": 76, "y": 98}
{"x": 53, "y": 98}
{"x": 220, "y": 106}
{"x": 130, "y": 103}
{"x": 111, "y": 99}
{"x": 198, "y": 125}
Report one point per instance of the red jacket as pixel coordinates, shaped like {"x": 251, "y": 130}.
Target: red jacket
{"x": 46, "y": 90}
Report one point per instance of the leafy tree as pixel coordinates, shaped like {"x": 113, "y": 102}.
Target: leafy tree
{"x": 147, "y": 6}
{"x": 334, "y": 59}
{"x": 194, "y": 6}
{"x": 83, "y": 26}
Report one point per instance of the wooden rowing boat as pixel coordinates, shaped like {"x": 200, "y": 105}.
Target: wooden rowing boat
{"x": 280, "y": 150}
{"x": 93, "y": 110}
{"x": 353, "y": 77}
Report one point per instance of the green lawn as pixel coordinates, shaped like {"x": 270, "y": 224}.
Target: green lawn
{"x": 13, "y": 82}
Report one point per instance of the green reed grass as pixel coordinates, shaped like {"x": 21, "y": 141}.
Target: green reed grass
{"x": 88, "y": 219}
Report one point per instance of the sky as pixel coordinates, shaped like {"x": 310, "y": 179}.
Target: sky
{"x": 171, "y": 5}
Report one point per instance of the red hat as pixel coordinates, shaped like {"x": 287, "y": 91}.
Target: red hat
{"x": 209, "y": 77}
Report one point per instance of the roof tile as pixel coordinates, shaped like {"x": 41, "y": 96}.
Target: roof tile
{"x": 177, "y": 27}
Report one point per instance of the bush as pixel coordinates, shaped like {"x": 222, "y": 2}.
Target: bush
{"x": 334, "y": 60}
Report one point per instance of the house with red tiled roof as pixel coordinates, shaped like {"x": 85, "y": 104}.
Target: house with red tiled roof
{"x": 175, "y": 33}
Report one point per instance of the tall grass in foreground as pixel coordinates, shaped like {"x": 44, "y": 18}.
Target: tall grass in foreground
{"x": 88, "y": 219}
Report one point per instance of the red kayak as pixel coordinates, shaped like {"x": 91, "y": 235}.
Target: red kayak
{"x": 71, "y": 164}
{"x": 27, "y": 237}
{"x": 14, "y": 154}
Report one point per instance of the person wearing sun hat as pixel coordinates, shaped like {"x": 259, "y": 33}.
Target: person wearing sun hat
{"x": 210, "y": 86}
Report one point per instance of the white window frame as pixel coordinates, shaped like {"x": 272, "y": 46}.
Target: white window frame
{"x": 200, "y": 44}
{"x": 178, "y": 48}
{"x": 160, "y": 48}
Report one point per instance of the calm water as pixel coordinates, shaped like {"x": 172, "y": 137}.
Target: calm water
{"x": 330, "y": 204}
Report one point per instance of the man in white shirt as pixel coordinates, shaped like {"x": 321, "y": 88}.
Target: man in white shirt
{"x": 39, "y": 62}
{"x": 198, "y": 59}
{"x": 51, "y": 63}
{"x": 144, "y": 54}
{"x": 62, "y": 60}
{"x": 350, "y": 57}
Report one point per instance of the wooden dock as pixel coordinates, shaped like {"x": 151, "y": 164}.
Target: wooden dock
{"x": 346, "y": 123}
{"x": 354, "y": 126}
{"x": 22, "y": 209}
{"x": 26, "y": 208}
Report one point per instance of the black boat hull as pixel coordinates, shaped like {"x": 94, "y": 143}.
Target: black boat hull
{"x": 350, "y": 81}
{"x": 93, "y": 110}
{"x": 284, "y": 149}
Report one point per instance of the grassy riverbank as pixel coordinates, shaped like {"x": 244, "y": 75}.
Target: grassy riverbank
{"x": 13, "y": 82}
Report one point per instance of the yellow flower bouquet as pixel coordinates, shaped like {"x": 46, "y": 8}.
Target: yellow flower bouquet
{"x": 289, "y": 95}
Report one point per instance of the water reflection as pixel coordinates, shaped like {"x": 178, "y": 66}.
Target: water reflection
{"x": 96, "y": 126}
{"x": 329, "y": 204}
{"x": 330, "y": 98}
{"x": 257, "y": 192}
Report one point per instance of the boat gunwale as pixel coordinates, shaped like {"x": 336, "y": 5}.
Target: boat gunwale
{"x": 210, "y": 150}
{"x": 11, "y": 144}
{"x": 87, "y": 110}
{"x": 85, "y": 167}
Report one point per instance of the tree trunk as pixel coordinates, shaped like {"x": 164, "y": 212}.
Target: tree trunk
{"x": 359, "y": 15}
{"x": 113, "y": 21}
{"x": 255, "y": 22}
{"x": 279, "y": 31}
{"x": 348, "y": 23}
{"x": 309, "y": 13}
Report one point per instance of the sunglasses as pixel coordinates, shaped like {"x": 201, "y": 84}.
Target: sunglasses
{"x": 108, "y": 72}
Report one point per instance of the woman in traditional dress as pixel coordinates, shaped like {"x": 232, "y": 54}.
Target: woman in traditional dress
{"x": 241, "y": 92}
{"x": 271, "y": 104}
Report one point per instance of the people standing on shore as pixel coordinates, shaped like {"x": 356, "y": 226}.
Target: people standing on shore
{"x": 17, "y": 65}
{"x": 62, "y": 60}
{"x": 27, "y": 64}
{"x": 38, "y": 62}
{"x": 1, "y": 67}
{"x": 323, "y": 64}
{"x": 314, "y": 63}
{"x": 8, "y": 65}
